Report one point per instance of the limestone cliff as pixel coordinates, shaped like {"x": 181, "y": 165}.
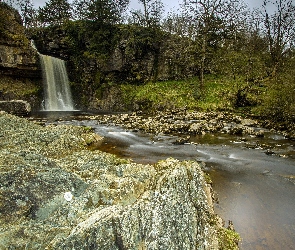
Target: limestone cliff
{"x": 16, "y": 55}
{"x": 20, "y": 74}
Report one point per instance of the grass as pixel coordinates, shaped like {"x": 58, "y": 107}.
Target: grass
{"x": 217, "y": 94}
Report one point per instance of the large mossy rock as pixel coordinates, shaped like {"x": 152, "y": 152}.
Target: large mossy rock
{"x": 56, "y": 194}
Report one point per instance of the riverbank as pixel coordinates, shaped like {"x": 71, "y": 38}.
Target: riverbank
{"x": 188, "y": 124}
{"x": 56, "y": 194}
{"x": 253, "y": 176}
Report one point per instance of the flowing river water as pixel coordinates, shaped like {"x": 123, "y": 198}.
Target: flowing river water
{"x": 255, "y": 187}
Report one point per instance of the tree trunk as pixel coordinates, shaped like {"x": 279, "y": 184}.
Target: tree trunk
{"x": 202, "y": 68}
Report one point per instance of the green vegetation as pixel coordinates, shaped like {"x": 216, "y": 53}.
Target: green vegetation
{"x": 18, "y": 88}
{"x": 228, "y": 239}
{"x": 219, "y": 93}
{"x": 210, "y": 55}
{"x": 167, "y": 94}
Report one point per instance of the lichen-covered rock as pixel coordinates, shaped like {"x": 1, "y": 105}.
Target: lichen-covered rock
{"x": 56, "y": 194}
{"x": 173, "y": 213}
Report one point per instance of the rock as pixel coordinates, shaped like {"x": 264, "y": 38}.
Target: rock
{"x": 182, "y": 140}
{"x": 17, "y": 57}
{"x": 55, "y": 194}
{"x": 20, "y": 72}
{"x": 174, "y": 213}
{"x": 17, "y": 107}
{"x": 249, "y": 122}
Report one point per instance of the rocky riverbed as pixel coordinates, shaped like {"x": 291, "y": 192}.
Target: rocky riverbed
{"x": 185, "y": 124}
{"x": 56, "y": 194}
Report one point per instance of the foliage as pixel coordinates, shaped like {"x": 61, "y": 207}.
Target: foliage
{"x": 103, "y": 11}
{"x": 55, "y": 12}
{"x": 279, "y": 101}
{"x": 280, "y": 31}
{"x": 219, "y": 94}
{"x": 151, "y": 14}
{"x": 26, "y": 10}
{"x": 209, "y": 22}
{"x": 228, "y": 239}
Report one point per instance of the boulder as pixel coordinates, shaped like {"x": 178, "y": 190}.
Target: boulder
{"x": 173, "y": 213}
{"x": 56, "y": 194}
{"x": 17, "y": 107}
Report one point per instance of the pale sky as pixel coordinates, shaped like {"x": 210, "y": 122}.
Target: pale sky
{"x": 169, "y": 4}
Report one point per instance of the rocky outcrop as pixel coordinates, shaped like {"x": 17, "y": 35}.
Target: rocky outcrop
{"x": 55, "y": 194}
{"x": 17, "y": 107}
{"x": 172, "y": 212}
{"x": 17, "y": 58}
{"x": 20, "y": 74}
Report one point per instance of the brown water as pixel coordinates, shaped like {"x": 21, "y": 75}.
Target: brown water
{"x": 255, "y": 188}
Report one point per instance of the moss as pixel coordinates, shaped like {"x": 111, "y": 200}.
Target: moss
{"x": 228, "y": 239}
{"x": 207, "y": 178}
{"x": 19, "y": 88}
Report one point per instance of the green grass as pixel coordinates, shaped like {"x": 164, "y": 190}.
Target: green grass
{"x": 217, "y": 94}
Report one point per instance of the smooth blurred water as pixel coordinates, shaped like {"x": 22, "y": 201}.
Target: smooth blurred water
{"x": 255, "y": 191}
{"x": 57, "y": 92}
{"x": 255, "y": 188}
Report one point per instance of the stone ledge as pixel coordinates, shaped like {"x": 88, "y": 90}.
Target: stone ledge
{"x": 16, "y": 107}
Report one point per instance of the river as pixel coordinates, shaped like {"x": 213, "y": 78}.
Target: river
{"x": 255, "y": 186}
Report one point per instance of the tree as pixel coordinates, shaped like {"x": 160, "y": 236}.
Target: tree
{"x": 205, "y": 17}
{"x": 55, "y": 12}
{"x": 151, "y": 14}
{"x": 26, "y": 10}
{"x": 280, "y": 31}
{"x": 213, "y": 23}
{"x": 100, "y": 11}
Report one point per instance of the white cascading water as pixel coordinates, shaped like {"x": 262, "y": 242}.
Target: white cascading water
{"x": 57, "y": 91}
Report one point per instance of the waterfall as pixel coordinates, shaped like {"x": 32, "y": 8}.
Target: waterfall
{"x": 57, "y": 93}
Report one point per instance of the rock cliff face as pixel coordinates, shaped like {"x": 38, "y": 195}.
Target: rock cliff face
{"x": 20, "y": 74}
{"x": 16, "y": 55}
{"x": 97, "y": 59}
{"x": 55, "y": 194}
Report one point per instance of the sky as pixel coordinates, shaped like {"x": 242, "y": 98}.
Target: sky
{"x": 168, "y": 4}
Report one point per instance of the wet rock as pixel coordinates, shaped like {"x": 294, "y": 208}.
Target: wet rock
{"x": 236, "y": 130}
{"x": 185, "y": 122}
{"x": 17, "y": 107}
{"x": 269, "y": 152}
{"x": 249, "y": 122}
{"x": 182, "y": 140}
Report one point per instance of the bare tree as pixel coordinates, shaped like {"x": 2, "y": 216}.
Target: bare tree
{"x": 280, "y": 30}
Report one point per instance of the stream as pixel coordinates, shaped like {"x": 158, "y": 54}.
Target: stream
{"x": 255, "y": 186}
